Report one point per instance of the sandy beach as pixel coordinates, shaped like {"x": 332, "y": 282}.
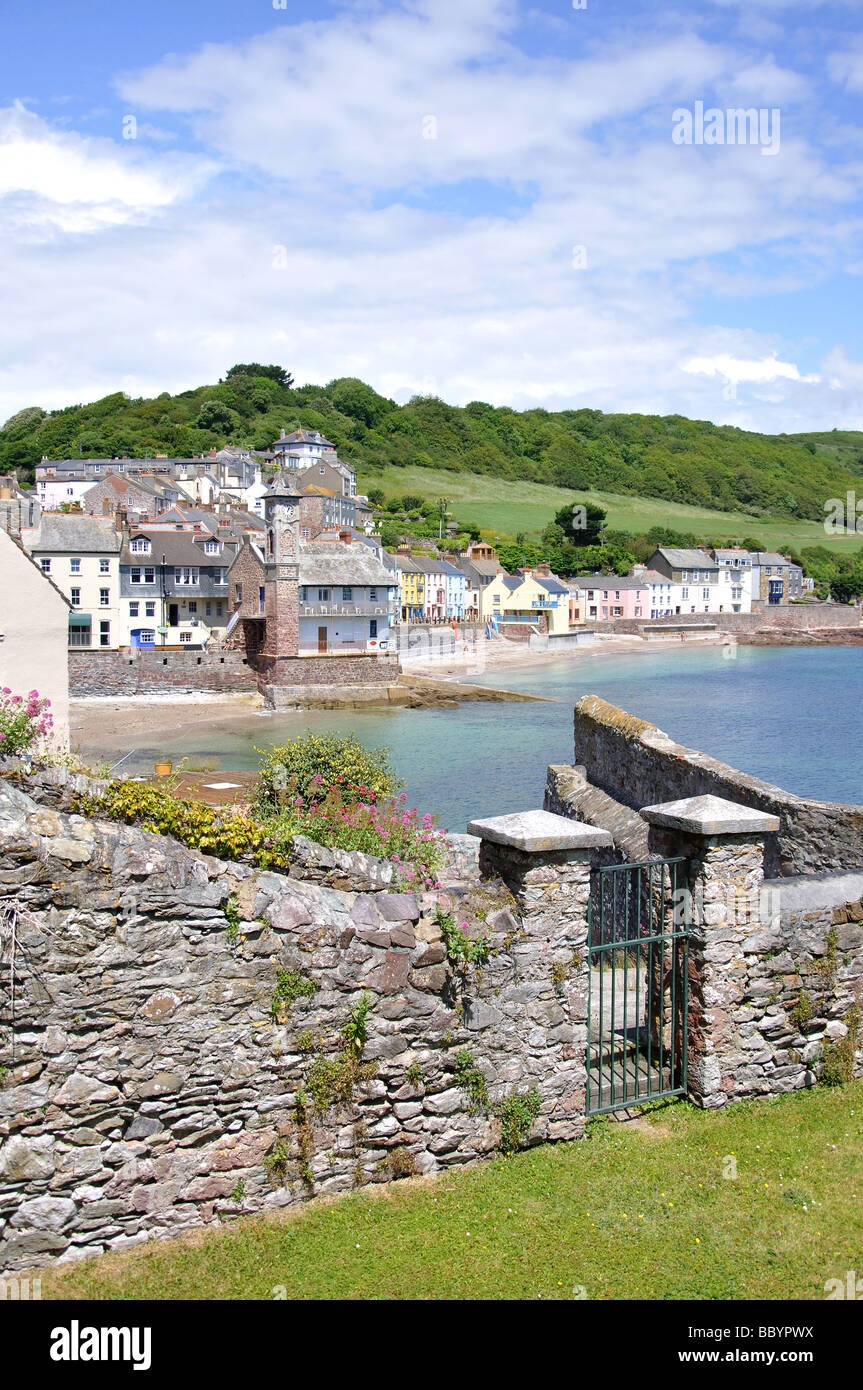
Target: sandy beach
{"x": 101, "y": 724}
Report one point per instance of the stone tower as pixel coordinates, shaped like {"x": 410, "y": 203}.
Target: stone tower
{"x": 282, "y": 552}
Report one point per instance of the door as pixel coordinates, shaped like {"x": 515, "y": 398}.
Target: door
{"x": 322, "y": 639}
{"x": 173, "y": 615}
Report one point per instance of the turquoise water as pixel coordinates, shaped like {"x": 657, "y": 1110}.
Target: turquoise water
{"x": 791, "y": 715}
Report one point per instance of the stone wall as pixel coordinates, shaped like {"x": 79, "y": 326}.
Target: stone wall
{"x": 149, "y": 1086}
{"x": 777, "y": 618}
{"x": 319, "y": 676}
{"x": 639, "y": 765}
{"x": 152, "y": 671}
{"x": 775, "y": 972}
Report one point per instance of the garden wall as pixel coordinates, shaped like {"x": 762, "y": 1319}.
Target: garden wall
{"x": 149, "y": 1085}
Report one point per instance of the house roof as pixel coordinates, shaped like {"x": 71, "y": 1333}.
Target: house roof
{"x": 178, "y": 548}
{"x": 687, "y": 559}
{"x": 334, "y": 562}
{"x": 615, "y": 581}
{"x": 769, "y": 557}
{"x": 303, "y": 437}
{"x": 75, "y": 533}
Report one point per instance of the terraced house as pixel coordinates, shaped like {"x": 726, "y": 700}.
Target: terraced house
{"x": 81, "y": 555}
{"x": 529, "y": 597}
{"x": 174, "y": 586}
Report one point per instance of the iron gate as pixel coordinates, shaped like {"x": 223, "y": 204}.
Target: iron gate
{"x": 638, "y": 984}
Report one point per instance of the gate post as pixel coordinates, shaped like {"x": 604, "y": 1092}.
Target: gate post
{"x": 546, "y": 861}
{"x": 724, "y": 843}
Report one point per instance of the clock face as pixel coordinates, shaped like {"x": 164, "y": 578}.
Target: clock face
{"x": 289, "y": 511}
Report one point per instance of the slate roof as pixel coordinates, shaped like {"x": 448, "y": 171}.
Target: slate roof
{"x": 333, "y": 563}
{"x": 769, "y": 557}
{"x": 73, "y": 533}
{"x": 179, "y": 548}
{"x": 687, "y": 559}
{"x": 615, "y": 581}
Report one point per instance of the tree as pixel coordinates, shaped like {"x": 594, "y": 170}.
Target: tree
{"x": 274, "y": 372}
{"x": 582, "y": 523}
{"x": 216, "y": 416}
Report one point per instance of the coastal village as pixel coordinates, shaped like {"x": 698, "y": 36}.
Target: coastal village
{"x": 275, "y": 560}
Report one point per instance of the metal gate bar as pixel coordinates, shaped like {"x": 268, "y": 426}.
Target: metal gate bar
{"x": 637, "y": 1027}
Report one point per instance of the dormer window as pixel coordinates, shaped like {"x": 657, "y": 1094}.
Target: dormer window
{"x": 140, "y": 546}
{"x": 212, "y": 547}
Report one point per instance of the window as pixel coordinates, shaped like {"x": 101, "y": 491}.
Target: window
{"x": 262, "y": 594}
{"x": 323, "y": 595}
{"x": 147, "y": 636}
{"x": 186, "y": 574}
{"x": 133, "y": 610}
{"x": 238, "y": 593}
{"x": 104, "y": 598}
{"x": 208, "y": 610}
{"x": 347, "y": 593}
{"x": 219, "y": 609}
{"x": 140, "y": 546}
{"x": 76, "y": 598}
{"x": 705, "y": 593}
{"x": 150, "y": 609}
{"x": 79, "y": 637}
{"x": 185, "y": 636}
{"x": 46, "y": 566}
{"x": 75, "y": 567}
{"x": 104, "y": 566}
{"x": 373, "y": 627}
{"x": 684, "y": 593}
{"x": 220, "y": 576}
{"x": 373, "y": 596}
{"x": 193, "y": 607}
{"x": 104, "y": 634}
{"x": 212, "y": 547}
{"x": 147, "y": 575}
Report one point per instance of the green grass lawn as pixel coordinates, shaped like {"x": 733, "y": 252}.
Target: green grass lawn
{"x": 637, "y": 1211}
{"x": 496, "y": 504}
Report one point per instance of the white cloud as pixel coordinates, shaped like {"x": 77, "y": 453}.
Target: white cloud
{"x": 77, "y": 184}
{"x": 846, "y": 67}
{"x": 169, "y": 293}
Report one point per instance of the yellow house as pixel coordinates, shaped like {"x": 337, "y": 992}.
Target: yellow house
{"x": 412, "y": 590}
{"x": 526, "y": 598}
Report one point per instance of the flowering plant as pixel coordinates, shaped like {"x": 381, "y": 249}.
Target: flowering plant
{"x": 23, "y": 722}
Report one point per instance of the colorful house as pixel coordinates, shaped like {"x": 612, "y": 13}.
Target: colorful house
{"x": 528, "y": 597}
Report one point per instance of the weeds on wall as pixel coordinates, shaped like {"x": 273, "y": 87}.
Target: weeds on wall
{"x": 290, "y": 985}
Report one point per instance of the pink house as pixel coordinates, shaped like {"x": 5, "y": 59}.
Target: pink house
{"x": 596, "y": 597}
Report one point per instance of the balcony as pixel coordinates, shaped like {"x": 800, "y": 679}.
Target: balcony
{"x": 362, "y": 608}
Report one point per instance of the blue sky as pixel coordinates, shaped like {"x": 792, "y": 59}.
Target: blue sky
{"x": 472, "y": 197}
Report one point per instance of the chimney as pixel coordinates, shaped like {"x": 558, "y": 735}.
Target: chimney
{"x": 282, "y": 433}
{"x": 345, "y": 537}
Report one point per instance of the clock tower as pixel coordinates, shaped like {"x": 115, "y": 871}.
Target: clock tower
{"x": 282, "y": 555}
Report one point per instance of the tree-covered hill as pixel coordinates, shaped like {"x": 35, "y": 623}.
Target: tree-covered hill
{"x": 667, "y": 457}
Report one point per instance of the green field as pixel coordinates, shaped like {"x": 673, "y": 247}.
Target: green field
{"x": 633, "y": 1211}
{"x": 507, "y": 508}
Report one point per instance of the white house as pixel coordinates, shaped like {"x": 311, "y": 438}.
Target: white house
{"x": 81, "y": 555}
{"x": 34, "y": 628}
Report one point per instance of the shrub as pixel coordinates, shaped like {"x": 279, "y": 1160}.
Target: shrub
{"x": 23, "y": 722}
{"x": 459, "y": 946}
{"x": 290, "y": 985}
{"x": 516, "y": 1114}
{"x": 217, "y": 830}
{"x": 837, "y": 1058}
{"x": 309, "y": 766}
{"x": 389, "y": 831}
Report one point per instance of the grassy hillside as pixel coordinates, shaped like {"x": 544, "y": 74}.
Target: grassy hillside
{"x": 667, "y": 458}
{"x": 510, "y": 508}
